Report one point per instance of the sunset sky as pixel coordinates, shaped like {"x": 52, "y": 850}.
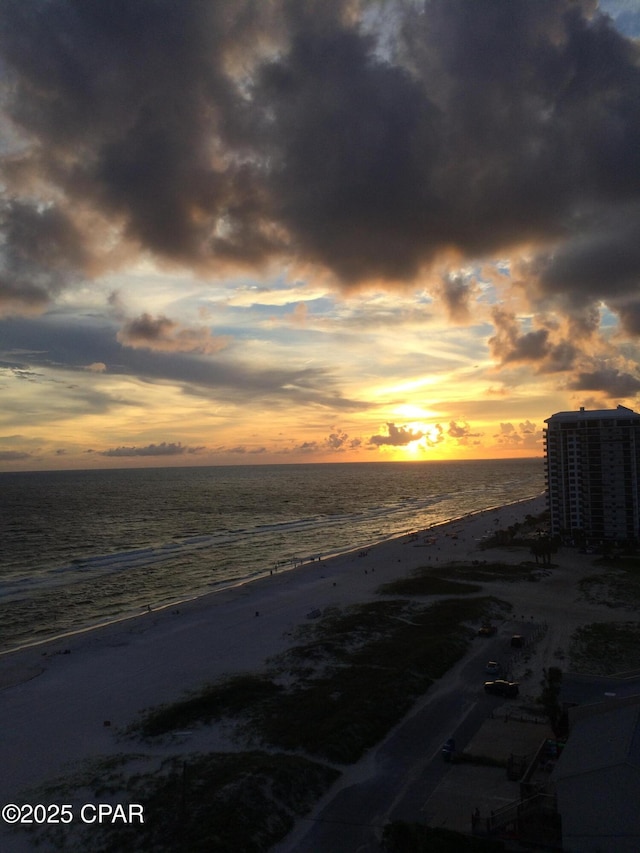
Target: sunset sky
{"x": 252, "y": 231}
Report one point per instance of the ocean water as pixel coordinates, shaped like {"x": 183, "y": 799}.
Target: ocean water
{"x": 78, "y": 548}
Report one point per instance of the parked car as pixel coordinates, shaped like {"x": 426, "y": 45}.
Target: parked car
{"x": 500, "y": 687}
{"x": 493, "y": 668}
{"x": 487, "y": 630}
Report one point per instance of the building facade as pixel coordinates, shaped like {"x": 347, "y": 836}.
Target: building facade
{"x": 592, "y": 467}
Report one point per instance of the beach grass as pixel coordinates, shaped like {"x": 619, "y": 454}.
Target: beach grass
{"x": 606, "y": 648}
{"x": 382, "y": 657}
{"x": 210, "y": 703}
{"x": 101, "y": 776}
{"x": 424, "y": 582}
{"x": 339, "y": 692}
{"x": 483, "y": 571}
{"x": 218, "y": 801}
{"x": 364, "y": 668}
{"x": 619, "y": 586}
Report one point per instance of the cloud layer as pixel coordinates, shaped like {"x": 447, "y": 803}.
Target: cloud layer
{"x": 246, "y": 131}
{"x": 309, "y": 163}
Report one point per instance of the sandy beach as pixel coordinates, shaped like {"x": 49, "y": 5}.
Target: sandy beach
{"x": 65, "y": 701}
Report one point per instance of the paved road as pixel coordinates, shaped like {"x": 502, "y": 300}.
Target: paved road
{"x": 408, "y": 766}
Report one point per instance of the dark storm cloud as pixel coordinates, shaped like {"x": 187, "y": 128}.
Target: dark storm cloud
{"x": 508, "y": 345}
{"x": 600, "y": 263}
{"x": 609, "y": 381}
{"x": 541, "y": 110}
{"x": 131, "y": 107}
{"x": 243, "y": 130}
{"x": 41, "y": 252}
{"x": 628, "y": 311}
{"x": 560, "y": 357}
{"x": 347, "y": 132}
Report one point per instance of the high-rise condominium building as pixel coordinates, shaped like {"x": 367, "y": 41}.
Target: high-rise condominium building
{"x": 592, "y": 469}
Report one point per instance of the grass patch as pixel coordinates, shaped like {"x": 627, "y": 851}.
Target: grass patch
{"x": 226, "y": 698}
{"x": 381, "y": 658}
{"x": 424, "y": 582}
{"x": 100, "y": 777}
{"x": 357, "y": 673}
{"x": 619, "y": 587}
{"x": 353, "y": 676}
{"x": 214, "y": 803}
{"x": 483, "y": 572}
{"x": 604, "y": 648}
{"x": 338, "y": 716}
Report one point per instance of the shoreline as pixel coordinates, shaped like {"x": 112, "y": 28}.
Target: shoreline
{"x": 68, "y": 701}
{"x": 65, "y": 712}
{"x": 280, "y": 568}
